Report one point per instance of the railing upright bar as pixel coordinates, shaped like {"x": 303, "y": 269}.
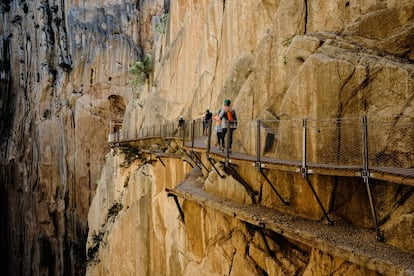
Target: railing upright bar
{"x": 192, "y": 133}
{"x": 227, "y": 146}
{"x": 304, "y": 169}
{"x": 209, "y": 136}
{"x": 365, "y": 175}
{"x": 258, "y": 145}
{"x": 183, "y": 133}
{"x": 365, "y": 148}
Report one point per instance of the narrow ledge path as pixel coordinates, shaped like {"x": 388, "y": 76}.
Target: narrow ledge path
{"x": 353, "y": 244}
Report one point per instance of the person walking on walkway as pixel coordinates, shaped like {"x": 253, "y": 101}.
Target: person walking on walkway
{"x": 181, "y": 123}
{"x": 228, "y": 119}
{"x": 206, "y": 120}
{"x": 219, "y": 131}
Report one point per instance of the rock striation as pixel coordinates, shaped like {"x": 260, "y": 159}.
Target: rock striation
{"x": 61, "y": 61}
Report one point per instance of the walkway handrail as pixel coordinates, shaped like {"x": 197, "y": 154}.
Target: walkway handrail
{"x": 336, "y": 142}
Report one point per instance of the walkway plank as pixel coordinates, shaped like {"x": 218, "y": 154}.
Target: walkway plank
{"x": 403, "y": 176}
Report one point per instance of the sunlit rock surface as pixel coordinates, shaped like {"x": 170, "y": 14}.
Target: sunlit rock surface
{"x": 70, "y": 205}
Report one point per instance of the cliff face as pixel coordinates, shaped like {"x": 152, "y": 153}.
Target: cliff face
{"x": 61, "y": 61}
{"x": 64, "y": 76}
{"x": 275, "y": 60}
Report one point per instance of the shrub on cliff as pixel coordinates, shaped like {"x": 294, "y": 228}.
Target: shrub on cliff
{"x": 140, "y": 70}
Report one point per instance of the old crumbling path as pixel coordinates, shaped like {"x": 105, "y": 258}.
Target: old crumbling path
{"x": 356, "y": 245}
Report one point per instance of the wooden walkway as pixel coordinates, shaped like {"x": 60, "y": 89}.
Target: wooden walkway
{"x": 356, "y": 245}
{"x": 395, "y": 175}
{"x": 403, "y": 176}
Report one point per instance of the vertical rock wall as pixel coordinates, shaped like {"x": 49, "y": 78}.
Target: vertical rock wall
{"x": 60, "y": 62}
{"x": 274, "y": 60}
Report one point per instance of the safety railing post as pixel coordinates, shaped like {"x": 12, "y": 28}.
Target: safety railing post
{"x": 258, "y": 145}
{"x": 226, "y": 162}
{"x": 365, "y": 175}
{"x": 209, "y": 136}
{"x": 192, "y": 133}
{"x": 365, "y": 170}
{"x": 164, "y": 131}
{"x": 304, "y": 169}
{"x": 184, "y": 128}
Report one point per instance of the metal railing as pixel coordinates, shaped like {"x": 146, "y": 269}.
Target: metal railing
{"x": 339, "y": 143}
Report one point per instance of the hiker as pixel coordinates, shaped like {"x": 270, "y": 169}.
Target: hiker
{"x": 181, "y": 123}
{"x": 219, "y": 131}
{"x": 206, "y": 119}
{"x": 228, "y": 121}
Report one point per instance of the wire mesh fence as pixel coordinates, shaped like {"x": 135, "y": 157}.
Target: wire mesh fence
{"x": 391, "y": 143}
{"x": 338, "y": 143}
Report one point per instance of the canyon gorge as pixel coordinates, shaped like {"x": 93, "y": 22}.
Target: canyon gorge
{"x": 74, "y": 204}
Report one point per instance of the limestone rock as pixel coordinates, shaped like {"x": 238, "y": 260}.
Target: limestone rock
{"x": 64, "y": 75}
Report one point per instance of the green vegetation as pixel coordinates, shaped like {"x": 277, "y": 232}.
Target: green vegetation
{"x": 129, "y": 155}
{"x": 161, "y": 26}
{"x": 97, "y": 238}
{"x": 140, "y": 71}
{"x": 114, "y": 210}
{"x": 126, "y": 181}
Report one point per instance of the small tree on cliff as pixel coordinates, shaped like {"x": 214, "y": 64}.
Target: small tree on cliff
{"x": 161, "y": 25}
{"x": 140, "y": 71}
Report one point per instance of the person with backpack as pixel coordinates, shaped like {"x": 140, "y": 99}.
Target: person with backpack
{"x": 228, "y": 119}
{"x": 219, "y": 131}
